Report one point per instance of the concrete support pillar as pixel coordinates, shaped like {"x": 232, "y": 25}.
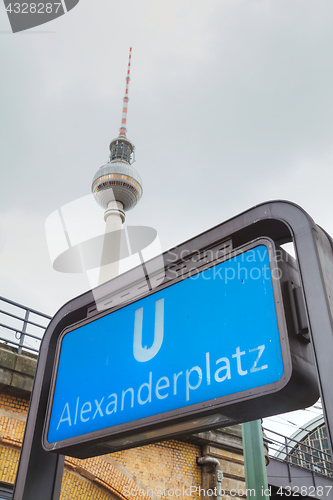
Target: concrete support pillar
{"x": 254, "y": 461}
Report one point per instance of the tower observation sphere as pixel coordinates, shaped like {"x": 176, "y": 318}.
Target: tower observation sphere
{"x": 118, "y": 180}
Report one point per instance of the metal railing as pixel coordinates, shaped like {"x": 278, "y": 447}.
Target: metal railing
{"x": 298, "y": 453}
{"x": 21, "y": 326}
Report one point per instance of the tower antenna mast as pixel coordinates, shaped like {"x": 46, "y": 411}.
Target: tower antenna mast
{"x": 123, "y": 130}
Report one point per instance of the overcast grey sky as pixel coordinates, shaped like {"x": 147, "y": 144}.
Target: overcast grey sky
{"x": 230, "y": 105}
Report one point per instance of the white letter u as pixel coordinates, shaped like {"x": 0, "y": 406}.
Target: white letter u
{"x": 143, "y": 354}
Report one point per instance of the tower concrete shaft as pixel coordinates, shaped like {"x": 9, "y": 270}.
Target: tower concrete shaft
{"x": 114, "y": 217}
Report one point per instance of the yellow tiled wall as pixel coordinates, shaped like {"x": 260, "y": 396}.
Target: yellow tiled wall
{"x": 76, "y": 487}
{"x": 14, "y": 403}
{"x": 8, "y": 463}
{"x": 169, "y": 465}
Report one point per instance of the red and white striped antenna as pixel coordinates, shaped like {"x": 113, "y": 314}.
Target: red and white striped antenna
{"x": 123, "y": 130}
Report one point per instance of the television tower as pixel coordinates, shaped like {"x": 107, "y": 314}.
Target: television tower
{"x": 117, "y": 187}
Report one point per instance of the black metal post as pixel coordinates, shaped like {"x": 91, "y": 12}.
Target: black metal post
{"x": 24, "y": 329}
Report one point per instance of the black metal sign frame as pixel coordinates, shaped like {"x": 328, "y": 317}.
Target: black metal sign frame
{"x": 232, "y": 408}
{"x": 40, "y": 472}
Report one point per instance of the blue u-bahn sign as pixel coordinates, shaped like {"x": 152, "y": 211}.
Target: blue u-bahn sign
{"x": 206, "y": 337}
{"x": 181, "y": 355}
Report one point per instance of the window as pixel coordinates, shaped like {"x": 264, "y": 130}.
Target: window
{"x": 318, "y": 459}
